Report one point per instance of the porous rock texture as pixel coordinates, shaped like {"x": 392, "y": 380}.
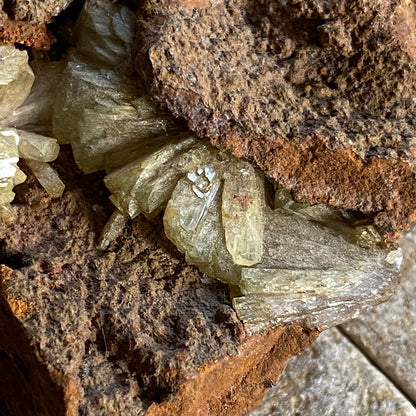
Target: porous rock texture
{"x": 130, "y": 331}
{"x": 24, "y": 21}
{"x": 319, "y": 94}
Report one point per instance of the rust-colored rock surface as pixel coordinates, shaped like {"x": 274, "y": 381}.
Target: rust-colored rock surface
{"x": 130, "y": 331}
{"x": 25, "y": 21}
{"x": 320, "y": 94}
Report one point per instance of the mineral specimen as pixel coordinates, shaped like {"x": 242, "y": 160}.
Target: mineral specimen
{"x": 289, "y": 265}
{"x": 287, "y": 262}
{"x": 16, "y": 79}
{"x": 24, "y": 22}
{"x": 319, "y": 94}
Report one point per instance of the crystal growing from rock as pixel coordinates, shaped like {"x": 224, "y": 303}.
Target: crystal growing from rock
{"x": 100, "y": 110}
{"x": 47, "y": 177}
{"x": 286, "y": 262}
{"x": 16, "y": 79}
{"x": 112, "y": 229}
{"x": 296, "y": 268}
{"x": 37, "y": 147}
{"x": 243, "y": 214}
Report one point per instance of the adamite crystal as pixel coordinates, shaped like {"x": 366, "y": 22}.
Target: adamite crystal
{"x": 101, "y": 111}
{"x": 16, "y": 79}
{"x": 289, "y": 265}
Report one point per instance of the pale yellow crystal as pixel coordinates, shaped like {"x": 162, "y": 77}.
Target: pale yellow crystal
{"x": 146, "y": 184}
{"x": 16, "y": 79}
{"x": 107, "y": 133}
{"x": 192, "y": 220}
{"x": 354, "y": 229}
{"x": 37, "y": 147}
{"x": 84, "y": 86}
{"x": 105, "y": 34}
{"x": 19, "y": 177}
{"x": 47, "y": 177}
{"x": 114, "y": 227}
{"x": 35, "y": 114}
{"x": 242, "y": 210}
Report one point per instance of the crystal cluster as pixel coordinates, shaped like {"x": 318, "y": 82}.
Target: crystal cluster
{"x": 16, "y": 79}
{"x": 100, "y": 110}
{"x": 291, "y": 263}
{"x": 285, "y": 262}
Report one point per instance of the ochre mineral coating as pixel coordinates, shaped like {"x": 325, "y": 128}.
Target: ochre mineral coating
{"x": 318, "y": 93}
{"x": 25, "y": 21}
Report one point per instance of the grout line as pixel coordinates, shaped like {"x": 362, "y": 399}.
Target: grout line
{"x": 376, "y": 366}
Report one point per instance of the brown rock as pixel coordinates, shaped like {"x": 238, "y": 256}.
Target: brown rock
{"x": 318, "y": 93}
{"x": 25, "y": 21}
{"x": 130, "y": 331}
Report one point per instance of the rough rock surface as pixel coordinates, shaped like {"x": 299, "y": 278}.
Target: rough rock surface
{"x": 318, "y": 93}
{"x": 25, "y": 21}
{"x": 319, "y": 382}
{"x": 130, "y": 331}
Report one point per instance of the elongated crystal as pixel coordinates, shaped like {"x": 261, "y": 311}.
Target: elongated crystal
{"x": 35, "y": 114}
{"x": 105, "y": 34}
{"x": 194, "y": 226}
{"x": 16, "y": 79}
{"x": 84, "y": 86}
{"x": 112, "y": 229}
{"x": 37, "y": 147}
{"x": 310, "y": 308}
{"x": 146, "y": 184}
{"x": 243, "y": 213}
{"x": 108, "y": 131}
{"x": 47, "y": 177}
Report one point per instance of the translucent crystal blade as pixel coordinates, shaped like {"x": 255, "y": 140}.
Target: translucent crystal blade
{"x": 47, "y": 177}
{"x": 320, "y": 282}
{"x": 146, "y": 184}
{"x": 112, "y": 229}
{"x": 35, "y": 114}
{"x": 37, "y": 147}
{"x": 107, "y": 131}
{"x": 105, "y": 34}
{"x": 84, "y": 87}
{"x": 16, "y": 79}
{"x": 243, "y": 213}
{"x": 316, "y": 308}
{"x": 203, "y": 243}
